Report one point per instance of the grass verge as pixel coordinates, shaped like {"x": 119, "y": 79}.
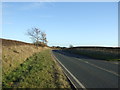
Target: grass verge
{"x": 37, "y": 71}
{"x": 14, "y": 55}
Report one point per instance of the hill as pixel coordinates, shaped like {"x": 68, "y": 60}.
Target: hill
{"x": 25, "y": 66}
{"x": 7, "y": 42}
{"x": 15, "y": 52}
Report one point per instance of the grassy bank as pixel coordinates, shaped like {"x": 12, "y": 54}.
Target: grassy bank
{"x": 38, "y": 71}
{"x": 14, "y": 53}
{"x": 110, "y": 54}
{"x": 25, "y": 66}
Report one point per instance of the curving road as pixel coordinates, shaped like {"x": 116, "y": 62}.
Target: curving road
{"x": 88, "y": 73}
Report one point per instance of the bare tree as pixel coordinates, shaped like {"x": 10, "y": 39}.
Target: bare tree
{"x": 43, "y": 37}
{"x": 37, "y": 36}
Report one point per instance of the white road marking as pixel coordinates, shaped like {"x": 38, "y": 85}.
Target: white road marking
{"x": 99, "y": 67}
{"x": 114, "y": 62}
{"x": 86, "y": 61}
{"x": 70, "y": 74}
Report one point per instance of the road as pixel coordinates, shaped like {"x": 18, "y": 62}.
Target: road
{"x": 87, "y": 73}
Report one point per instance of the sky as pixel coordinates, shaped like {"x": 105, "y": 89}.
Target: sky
{"x": 65, "y": 23}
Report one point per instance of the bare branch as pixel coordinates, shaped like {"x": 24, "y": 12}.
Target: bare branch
{"x": 37, "y": 36}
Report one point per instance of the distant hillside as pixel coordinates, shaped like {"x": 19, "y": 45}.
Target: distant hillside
{"x": 106, "y": 53}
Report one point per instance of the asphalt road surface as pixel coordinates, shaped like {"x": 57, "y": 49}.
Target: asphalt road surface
{"x": 87, "y": 72}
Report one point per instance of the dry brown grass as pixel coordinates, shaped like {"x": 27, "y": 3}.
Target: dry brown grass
{"x": 15, "y": 53}
{"x": 0, "y": 64}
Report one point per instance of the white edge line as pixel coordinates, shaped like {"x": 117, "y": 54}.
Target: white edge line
{"x": 70, "y": 73}
{"x": 63, "y": 70}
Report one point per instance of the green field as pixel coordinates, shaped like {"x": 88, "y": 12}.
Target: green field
{"x": 109, "y": 54}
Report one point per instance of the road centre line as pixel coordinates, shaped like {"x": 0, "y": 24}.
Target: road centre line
{"x": 99, "y": 67}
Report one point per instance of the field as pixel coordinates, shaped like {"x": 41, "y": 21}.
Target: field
{"x": 105, "y": 53}
{"x": 25, "y": 66}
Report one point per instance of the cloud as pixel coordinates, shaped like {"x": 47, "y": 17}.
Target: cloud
{"x": 6, "y": 5}
{"x": 8, "y": 23}
{"x": 28, "y": 5}
{"x": 35, "y": 5}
